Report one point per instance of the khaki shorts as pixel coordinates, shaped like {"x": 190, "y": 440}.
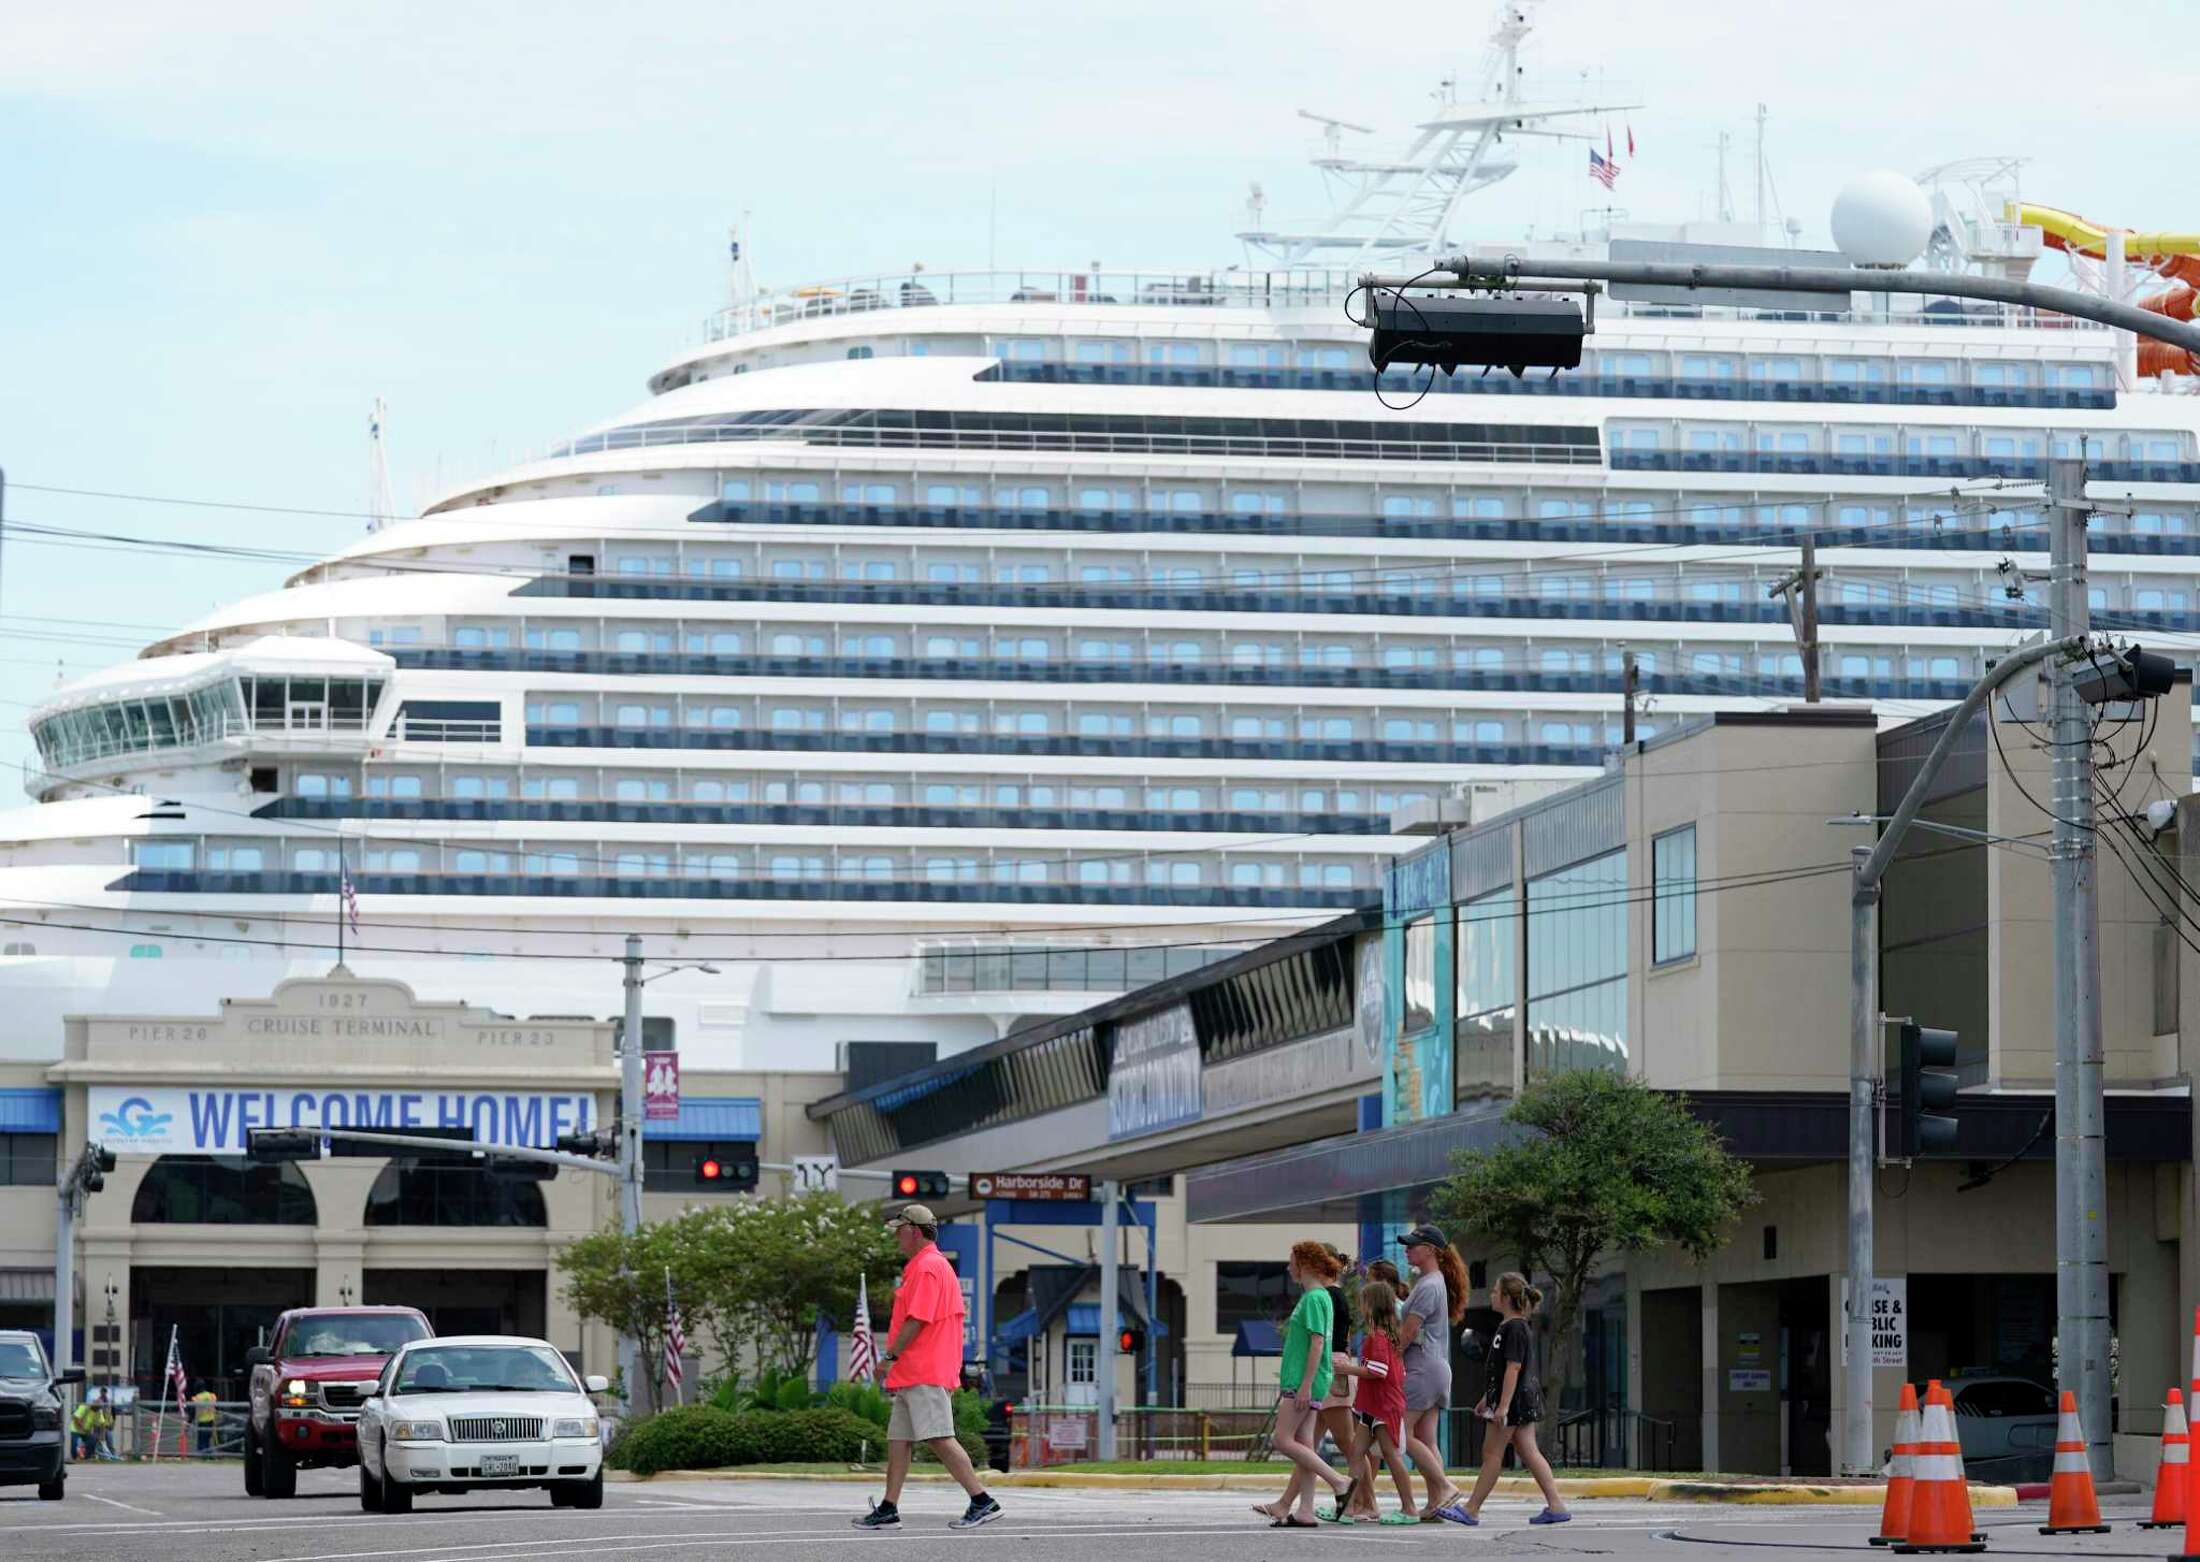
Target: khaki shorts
{"x": 921, "y": 1413}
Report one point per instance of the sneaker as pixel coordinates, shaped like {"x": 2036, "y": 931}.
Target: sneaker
{"x": 884, "y": 1516}
{"x": 982, "y": 1510}
{"x": 1548, "y": 1517}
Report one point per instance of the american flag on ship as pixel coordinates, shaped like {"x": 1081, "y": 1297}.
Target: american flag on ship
{"x": 675, "y": 1342}
{"x": 1605, "y": 169}
{"x": 862, "y": 1353}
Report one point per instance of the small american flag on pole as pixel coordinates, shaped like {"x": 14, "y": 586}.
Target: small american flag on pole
{"x": 1602, "y": 169}
{"x": 675, "y": 1343}
{"x": 862, "y": 1353}
{"x": 175, "y": 1368}
{"x": 350, "y": 895}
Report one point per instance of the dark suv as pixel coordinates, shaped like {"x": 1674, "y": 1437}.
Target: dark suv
{"x": 31, "y": 1415}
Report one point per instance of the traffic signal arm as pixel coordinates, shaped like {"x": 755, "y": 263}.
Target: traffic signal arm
{"x": 277, "y": 1141}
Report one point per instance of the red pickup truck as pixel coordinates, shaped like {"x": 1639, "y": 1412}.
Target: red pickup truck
{"x": 307, "y": 1385}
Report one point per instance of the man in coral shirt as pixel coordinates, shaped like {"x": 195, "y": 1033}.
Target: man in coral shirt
{"x": 923, "y": 1366}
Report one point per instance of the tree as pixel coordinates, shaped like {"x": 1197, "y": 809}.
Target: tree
{"x": 1608, "y": 1166}
{"x": 771, "y": 1266}
{"x": 620, "y": 1281}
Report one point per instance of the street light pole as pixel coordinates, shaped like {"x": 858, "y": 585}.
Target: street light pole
{"x": 630, "y": 1142}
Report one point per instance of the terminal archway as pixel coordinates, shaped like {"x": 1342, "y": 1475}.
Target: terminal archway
{"x": 222, "y": 1191}
{"x": 410, "y": 1194}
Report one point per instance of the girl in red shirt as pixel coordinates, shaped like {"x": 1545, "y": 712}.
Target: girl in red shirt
{"x": 1378, "y": 1408}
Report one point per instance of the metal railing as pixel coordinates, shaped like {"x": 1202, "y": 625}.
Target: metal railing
{"x": 1088, "y": 442}
{"x": 1265, "y": 290}
{"x": 1610, "y": 1439}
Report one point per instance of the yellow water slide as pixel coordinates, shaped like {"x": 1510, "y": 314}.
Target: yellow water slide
{"x": 2175, "y": 257}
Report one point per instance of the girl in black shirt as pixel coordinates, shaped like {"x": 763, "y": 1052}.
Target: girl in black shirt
{"x": 1512, "y": 1401}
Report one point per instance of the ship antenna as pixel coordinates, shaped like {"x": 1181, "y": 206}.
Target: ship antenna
{"x": 381, "y": 508}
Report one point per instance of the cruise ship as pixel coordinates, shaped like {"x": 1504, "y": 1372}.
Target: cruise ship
{"x": 928, "y": 652}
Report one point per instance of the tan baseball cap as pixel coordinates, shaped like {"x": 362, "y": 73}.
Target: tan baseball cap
{"x": 913, "y": 1215}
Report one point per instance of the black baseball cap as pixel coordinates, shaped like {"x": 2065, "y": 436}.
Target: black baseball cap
{"x": 1421, "y": 1236}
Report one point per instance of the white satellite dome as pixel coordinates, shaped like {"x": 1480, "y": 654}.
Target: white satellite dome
{"x": 1881, "y": 219}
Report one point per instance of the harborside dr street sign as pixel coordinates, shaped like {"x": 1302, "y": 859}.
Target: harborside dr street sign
{"x": 1062, "y": 1187}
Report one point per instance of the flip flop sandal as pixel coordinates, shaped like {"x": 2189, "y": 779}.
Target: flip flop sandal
{"x": 1293, "y": 1523}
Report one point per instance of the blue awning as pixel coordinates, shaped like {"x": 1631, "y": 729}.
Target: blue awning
{"x": 1084, "y": 1318}
{"x": 1258, "y": 1337}
{"x": 30, "y": 1111}
{"x": 711, "y": 1119}
{"x": 1017, "y": 1329}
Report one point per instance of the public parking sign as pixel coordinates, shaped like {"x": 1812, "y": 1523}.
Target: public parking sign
{"x": 1064, "y": 1187}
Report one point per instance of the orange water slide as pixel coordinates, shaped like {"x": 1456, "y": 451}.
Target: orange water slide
{"x": 2172, "y": 256}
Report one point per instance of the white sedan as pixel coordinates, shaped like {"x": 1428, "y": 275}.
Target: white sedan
{"x": 470, "y": 1412}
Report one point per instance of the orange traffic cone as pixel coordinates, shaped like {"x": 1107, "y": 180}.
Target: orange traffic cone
{"x": 1940, "y": 1502}
{"x": 2170, "y": 1474}
{"x": 1894, "y": 1518}
{"x": 2072, "y": 1508}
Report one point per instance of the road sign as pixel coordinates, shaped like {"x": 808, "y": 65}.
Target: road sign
{"x": 660, "y": 1086}
{"x": 816, "y": 1174}
{"x": 1066, "y": 1187}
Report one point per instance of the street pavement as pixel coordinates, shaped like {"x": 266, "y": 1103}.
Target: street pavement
{"x": 201, "y": 1514}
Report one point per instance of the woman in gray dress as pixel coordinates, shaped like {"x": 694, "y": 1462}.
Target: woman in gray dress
{"x": 1434, "y": 1305}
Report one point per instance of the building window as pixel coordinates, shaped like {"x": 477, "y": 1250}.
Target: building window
{"x": 211, "y": 1190}
{"x": 1250, "y": 1292}
{"x": 1673, "y": 893}
{"x": 1487, "y": 959}
{"x": 27, "y": 1160}
{"x": 1577, "y": 967}
{"x": 1420, "y": 988}
{"x": 1081, "y": 1362}
{"x": 409, "y": 1194}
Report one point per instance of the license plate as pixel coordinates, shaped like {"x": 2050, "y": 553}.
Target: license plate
{"x": 500, "y": 1464}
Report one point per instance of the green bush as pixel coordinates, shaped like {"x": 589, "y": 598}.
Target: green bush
{"x": 704, "y": 1437}
{"x": 861, "y": 1399}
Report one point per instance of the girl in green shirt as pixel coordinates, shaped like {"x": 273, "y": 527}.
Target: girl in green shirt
{"x": 1305, "y": 1377}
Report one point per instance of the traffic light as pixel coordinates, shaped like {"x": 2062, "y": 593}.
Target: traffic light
{"x": 98, "y": 1162}
{"x": 1130, "y": 1341}
{"x": 600, "y": 1142}
{"x": 2131, "y": 674}
{"x": 920, "y": 1185}
{"x": 1928, "y": 1090}
{"x": 1445, "y": 333}
{"x": 732, "y": 1167}
{"x": 268, "y": 1146}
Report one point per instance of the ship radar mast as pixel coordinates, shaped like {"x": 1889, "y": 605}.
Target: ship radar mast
{"x": 1383, "y": 210}
{"x": 381, "y": 508}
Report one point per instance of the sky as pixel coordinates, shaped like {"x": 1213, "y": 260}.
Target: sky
{"x": 231, "y": 225}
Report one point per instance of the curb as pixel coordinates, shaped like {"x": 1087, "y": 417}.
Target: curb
{"x": 1640, "y": 1488}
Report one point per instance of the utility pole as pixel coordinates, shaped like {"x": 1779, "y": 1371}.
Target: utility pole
{"x": 1800, "y": 587}
{"x": 2081, "y": 1232}
{"x": 1630, "y": 683}
{"x": 1868, "y": 868}
{"x": 630, "y": 1142}
{"x": 1111, "y": 1323}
